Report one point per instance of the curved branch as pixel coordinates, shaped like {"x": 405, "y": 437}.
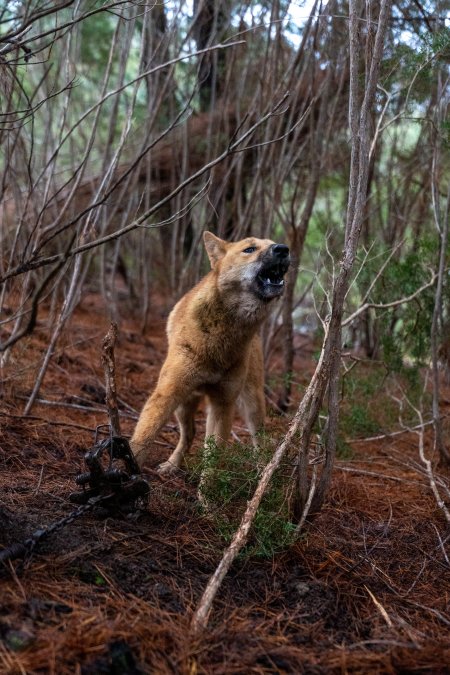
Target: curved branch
{"x": 388, "y": 305}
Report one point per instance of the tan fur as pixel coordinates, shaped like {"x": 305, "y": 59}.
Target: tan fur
{"x": 214, "y": 350}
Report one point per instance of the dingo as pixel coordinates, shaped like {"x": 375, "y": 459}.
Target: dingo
{"x": 214, "y": 347}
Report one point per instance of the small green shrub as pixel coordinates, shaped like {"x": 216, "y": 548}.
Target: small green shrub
{"x": 404, "y": 330}
{"x": 367, "y": 406}
{"x": 361, "y": 420}
{"x": 360, "y": 414}
{"x": 230, "y": 476}
{"x": 343, "y": 449}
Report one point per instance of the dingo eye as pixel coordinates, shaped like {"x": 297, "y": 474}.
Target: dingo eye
{"x": 250, "y": 249}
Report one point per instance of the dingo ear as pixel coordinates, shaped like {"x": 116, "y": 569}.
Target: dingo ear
{"x": 215, "y": 247}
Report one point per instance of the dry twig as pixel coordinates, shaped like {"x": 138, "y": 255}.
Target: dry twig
{"x": 109, "y": 367}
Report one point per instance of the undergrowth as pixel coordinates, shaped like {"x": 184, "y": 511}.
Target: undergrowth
{"x": 368, "y": 401}
{"x": 230, "y": 476}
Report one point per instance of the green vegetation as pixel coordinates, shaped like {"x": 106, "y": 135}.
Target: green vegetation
{"x": 368, "y": 404}
{"x": 230, "y": 477}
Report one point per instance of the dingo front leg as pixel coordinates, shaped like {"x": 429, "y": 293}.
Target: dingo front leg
{"x": 185, "y": 415}
{"x": 174, "y": 386}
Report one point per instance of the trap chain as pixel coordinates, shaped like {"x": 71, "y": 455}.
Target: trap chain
{"x": 114, "y": 488}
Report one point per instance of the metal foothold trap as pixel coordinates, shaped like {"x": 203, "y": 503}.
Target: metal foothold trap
{"x": 121, "y": 486}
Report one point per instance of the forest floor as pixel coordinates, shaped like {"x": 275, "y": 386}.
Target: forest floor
{"x": 365, "y": 590}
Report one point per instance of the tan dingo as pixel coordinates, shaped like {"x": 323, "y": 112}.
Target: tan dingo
{"x": 214, "y": 347}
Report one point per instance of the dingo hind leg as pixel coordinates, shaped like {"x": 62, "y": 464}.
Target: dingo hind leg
{"x": 252, "y": 397}
{"x": 254, "y": 411}
{"x": 218, "y": 430}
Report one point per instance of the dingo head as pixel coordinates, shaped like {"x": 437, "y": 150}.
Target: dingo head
{"x": 250, "y": 266}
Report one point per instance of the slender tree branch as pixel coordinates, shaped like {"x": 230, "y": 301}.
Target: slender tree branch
{"x": 393, "y": 303}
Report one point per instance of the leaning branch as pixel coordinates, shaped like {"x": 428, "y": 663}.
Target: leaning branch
{"x": 420, "y": 432}
{"x": 297, "y": 426}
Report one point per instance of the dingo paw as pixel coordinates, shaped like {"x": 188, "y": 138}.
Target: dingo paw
{"x": 168, "y": 469}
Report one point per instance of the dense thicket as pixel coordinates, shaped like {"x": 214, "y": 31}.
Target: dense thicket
{"x": 128, "y": 128}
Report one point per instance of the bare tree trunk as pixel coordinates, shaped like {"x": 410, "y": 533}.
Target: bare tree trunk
{"x": 436, "y": 331}
{"x": 210, "y": 20}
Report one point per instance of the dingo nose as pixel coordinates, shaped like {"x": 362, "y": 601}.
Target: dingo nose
{"x": 280, "y": 250}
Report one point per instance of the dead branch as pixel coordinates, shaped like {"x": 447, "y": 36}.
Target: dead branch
{"x": 33, "y": 312}
{"x": 420, "y": 432}
{"x": 109, "y": 366}
{"x": 45, "y": 420}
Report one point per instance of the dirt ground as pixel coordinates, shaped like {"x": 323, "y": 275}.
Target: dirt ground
{"x": 365, "y": 590}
